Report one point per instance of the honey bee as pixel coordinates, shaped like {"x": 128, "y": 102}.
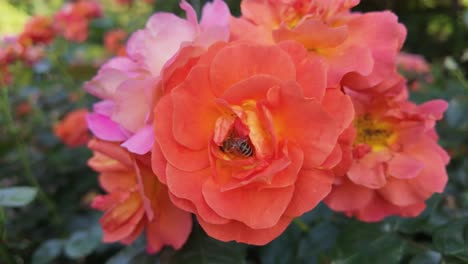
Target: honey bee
{"x": 237, "y": 145}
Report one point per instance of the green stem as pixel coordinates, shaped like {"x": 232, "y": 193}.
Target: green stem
{"x": 303, "y": 226}
{"x": 23, "y": 154}
{"x": 459, "y": 75}
{"x": 5, "y": 256}
{"x": 2, "y": 224}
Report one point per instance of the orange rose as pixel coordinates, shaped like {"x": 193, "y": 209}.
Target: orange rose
{"x": 246, "y": 136}
{"x": 135, "y": 200}
{"x": 114, "y": 42}
{"x": 73, "y": 130}
{"x": 358, "y": 48}
{"x": 38, "y": 30}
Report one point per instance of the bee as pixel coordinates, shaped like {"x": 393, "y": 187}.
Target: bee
{"x": 237, "y": 145}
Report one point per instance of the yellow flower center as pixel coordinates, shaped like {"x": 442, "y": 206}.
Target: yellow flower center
{"x": 375, "y": 133}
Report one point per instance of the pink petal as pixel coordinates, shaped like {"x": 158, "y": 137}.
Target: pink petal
{"x": 404, "y": 166}
{"x": 104, "y": 128}
{"x": 141, "y": 142}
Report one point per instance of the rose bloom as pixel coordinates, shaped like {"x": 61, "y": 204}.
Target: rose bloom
{"x": 360, "y": 48}
{"x": 10, "y": 50}
{"x": 128, "y": 2}
{"x": 396, "y": 162}
{"x": 73, "y": 19}
{"x": 23, "y": 109}
{"x": 38, "y": 30}
{"x": 416, "y": 69}
{"x": 114, "y": 41}
{"x": 246, "y": 136}
{"x": 135, "y": 200}
{"x": 73, "y": 130}
{"x": 127, "y": 84}
{"x": 5, "y": 76}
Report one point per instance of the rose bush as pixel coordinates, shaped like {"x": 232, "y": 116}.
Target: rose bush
{"x": 239, "y": 123}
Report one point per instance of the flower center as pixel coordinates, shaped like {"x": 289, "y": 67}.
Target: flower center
{"x": 243, "y": 132}
{"x": 374, "y": 133}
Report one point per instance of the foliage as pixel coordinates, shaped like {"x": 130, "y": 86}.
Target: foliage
{"x": 59, "y": 226}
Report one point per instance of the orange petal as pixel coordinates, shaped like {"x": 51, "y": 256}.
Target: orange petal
{"x": 369, "y": 171}
{"x": 111, "y": 181}
{"x": 311, "y": 187}
{"x": 239, "y": 232}
{"x": 403, "y": 166}
{"x": 305, "y": 122}
{"x": 112, "y": 150}
{"x": 175, "y": 154}
{"x": 123, "y": 230}
{"x": 311, "y": 73}
{"x": 313, "y": 34}
{"x": 256, "y": 208}
{"x": 194, "y": 110}
{"x": 158, "y": 162}
{"x": 135, "y": 234}
{"x": 401, "y": 192}
{"x": 240, "y": 61}
{"x": 171, "y": 226}
{"x": 188, "y": 185}
{"x": 348, "y": 196}
{"x": 378, "y": 209}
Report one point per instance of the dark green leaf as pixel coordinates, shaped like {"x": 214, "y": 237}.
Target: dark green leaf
{"x": 17, "y": 196}
{"x": 283, "y": 250}
{"x": 454, "y": 114}
{"x": 47, "y": 251}
{"x": 387, "y": 249}
{"x": 451, "y": 238}
{"x": 82, "y": 243}
{"x": 317, "y": 242}
{"x": 427, "y": 257}
{"x": 131, "y": 254}
{"x": 202, "y": 249}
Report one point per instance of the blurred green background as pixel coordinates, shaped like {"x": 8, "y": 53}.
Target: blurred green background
{"x": 65, "y": 229}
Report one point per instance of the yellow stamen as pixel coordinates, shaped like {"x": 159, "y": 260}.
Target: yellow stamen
{"x": 375, "y": 133}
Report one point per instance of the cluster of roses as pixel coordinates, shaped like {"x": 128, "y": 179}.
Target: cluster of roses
{"x": 130, "y": 2}
{"x": 250, "y": 122}
{"x": 71, "y": 22}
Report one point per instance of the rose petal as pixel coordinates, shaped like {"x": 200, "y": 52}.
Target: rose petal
{"x": 141, "y": 142}
{"x": 241, "y": 233}
{"x": 310, "y": 188}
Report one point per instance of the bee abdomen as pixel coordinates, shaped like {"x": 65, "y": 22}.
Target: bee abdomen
{"x": 246, "y": 149}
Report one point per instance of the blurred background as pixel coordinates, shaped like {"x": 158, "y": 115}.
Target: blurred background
{"x": 48, "y": 219}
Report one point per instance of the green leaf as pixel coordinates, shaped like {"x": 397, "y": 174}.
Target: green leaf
{"x": 426, "y": 221}
{"x": 133, "y": 254}
{"x": 387, "y": 249}
{"x": 356, "y": 236}
{"x": 317, "y": 242}
{"x": 427, "y": 257}
{"x": 47, "y": 251}
{"x": 452, "y": 238}
{"x": 454, "y": 114}
{"x": 17, "y": 196}
{"x": 82, "y": 243}
{"x": 283, "y": 250}
{"x": 202, "y": 249}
